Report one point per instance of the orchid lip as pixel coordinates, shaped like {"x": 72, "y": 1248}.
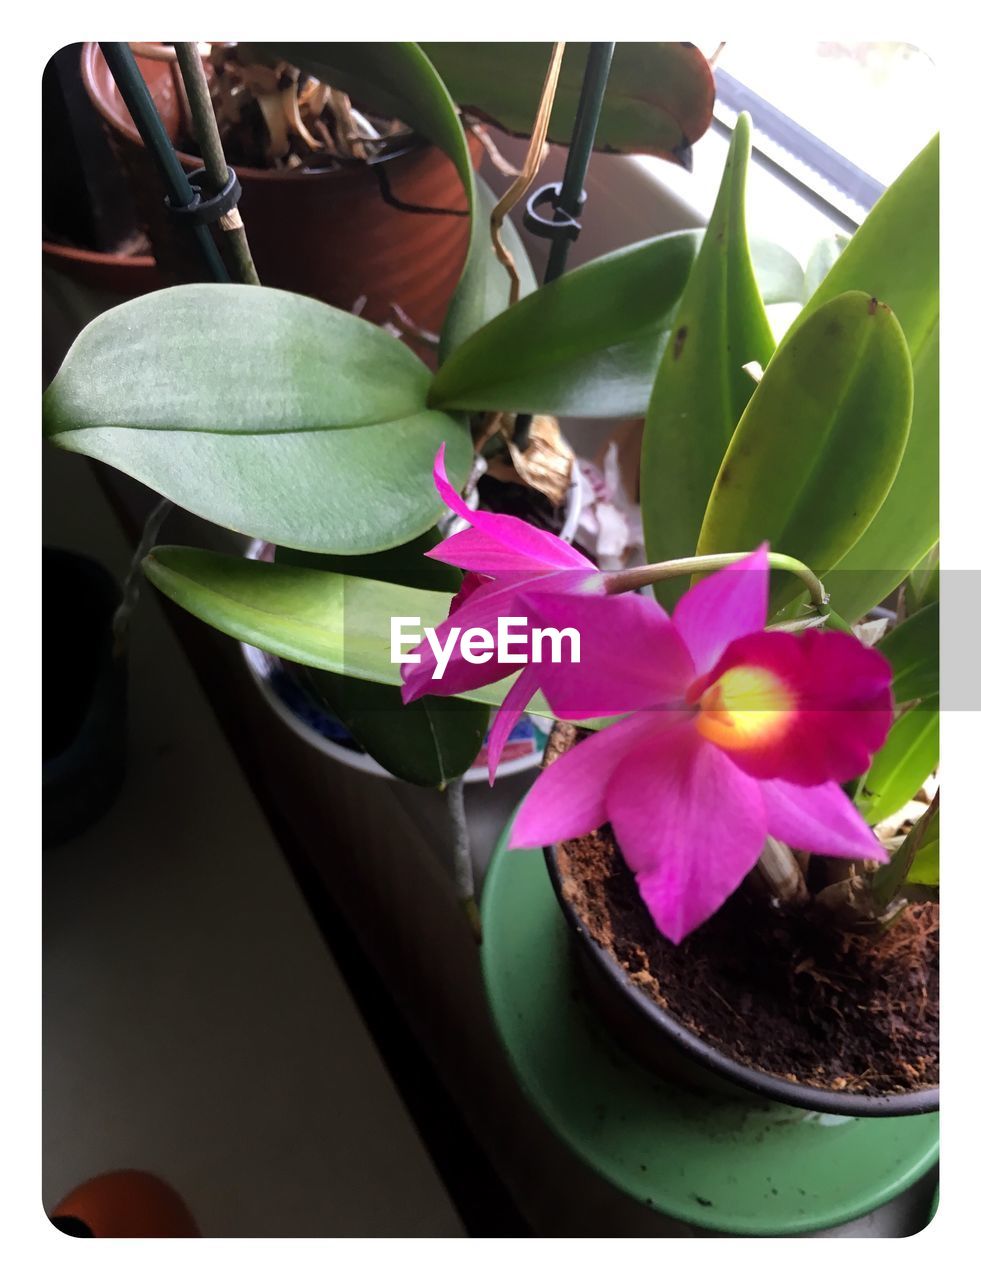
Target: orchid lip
{"x": 743, "y": 706}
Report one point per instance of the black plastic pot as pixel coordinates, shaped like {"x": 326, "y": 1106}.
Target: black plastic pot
{"x": 656, "y": 1039}
{"x": 84, "y": 695}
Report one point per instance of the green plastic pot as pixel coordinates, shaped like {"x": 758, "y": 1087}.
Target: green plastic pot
{"x": 730, "y": 1163}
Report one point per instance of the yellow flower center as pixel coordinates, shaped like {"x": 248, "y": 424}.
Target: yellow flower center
{"x": 745, "y": 707}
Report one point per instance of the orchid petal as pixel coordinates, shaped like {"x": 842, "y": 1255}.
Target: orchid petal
{"x": 837, "y": 699}
{"x": 568, "y": 798}
{"x": 480, "y": 608}
{"x": 508, "y": 715}
{"x": 471, "y": 582}
{"x": 497, "y": 542}
{"x": 631, "y": 657}
{"x": 818, "y": 819}
{"x": 721, "y": 608}
{"x": 690, "y": 826}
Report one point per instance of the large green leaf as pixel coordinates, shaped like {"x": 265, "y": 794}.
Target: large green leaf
{"x": 324, "y": 620}
{"x": 820, "y": 442}
{"x": 407, "y": 565}
{"x": 913, "y": 649}
{"x": 701, "y": 387}
{"x": 894, "y": 256}
{"x": 659, "y": 96}
{"x": 589, "y": 344}
{"x": 268, "y": 413}
{"x": 586, "y": 344}
{"x": 901, "y": 766}
{"x": 397, "y": 79}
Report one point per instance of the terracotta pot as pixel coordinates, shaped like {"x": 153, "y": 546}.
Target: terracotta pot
{"x": 330, "y": 235}
{"x": 126, "y": 1202}
{"x": 128, "y": 275}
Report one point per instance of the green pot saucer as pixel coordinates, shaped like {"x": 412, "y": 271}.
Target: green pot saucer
{"x": 744, "y": 1168}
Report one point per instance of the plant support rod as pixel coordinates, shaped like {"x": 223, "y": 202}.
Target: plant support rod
{"x": 212, "y": 152}
{"x": 136, "y": 96}
{"x": 567, "y": 205}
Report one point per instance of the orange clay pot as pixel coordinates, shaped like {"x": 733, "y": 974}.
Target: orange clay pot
{"x": 126, "y": 1202}
{"x": 329, "y": 235}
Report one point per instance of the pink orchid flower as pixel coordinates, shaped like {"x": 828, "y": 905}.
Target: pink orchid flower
{"x": 735, "y": 733}
{"x": 503, "y": 556}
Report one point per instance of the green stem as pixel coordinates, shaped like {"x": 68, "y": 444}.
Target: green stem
{"x": 462, "y": 857}
{"x": 212, "y": 152}
{"x": 646, "y": 574}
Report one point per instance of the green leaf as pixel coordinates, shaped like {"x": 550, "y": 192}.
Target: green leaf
{"x": 900, "y": 767}
{"x": 925, "y": 868}
{"x": 923, "y": 584}
{"x": 324, "y": 620}
{"x": 659, "y": 96}
{"x": 913, "y": 649}
{"x": 407, "y": 564}
{"x": 820, "y": 442}
{"x": 589, "y": 344}
{"x": 916, "y": 856}
{"x": 268, "y": 413}
{"x": 823, "y": 257}
{"x": 430, "y": 740}
{"x": 398, "y": 80}
{"x": 894, "y": 256}
{"x": 586, "y": 344}
{"x": 392, "y": 78}
{"x": 779, "y": 275}
{"x": 701, "y": 387}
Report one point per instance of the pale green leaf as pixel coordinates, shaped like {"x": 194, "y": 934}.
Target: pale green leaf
{"x": 266, "y": 412}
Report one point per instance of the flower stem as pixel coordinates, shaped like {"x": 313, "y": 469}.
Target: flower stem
{"x": 646, "y": 574}
{"x": 462, "y": 861}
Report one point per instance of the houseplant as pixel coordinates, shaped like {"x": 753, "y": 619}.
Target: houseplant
{"x": 705, "y": 492}
{"x": 380, "y": 501}
{"x": 653, "y": 308}
{"x": 387, "y": 227}
{"x": 880, "y": 378}
{"x": 345, "y": 242}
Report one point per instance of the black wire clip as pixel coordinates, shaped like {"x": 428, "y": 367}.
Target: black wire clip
{"x": 561, "y": 225}
{"x": 205, "y": 209}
